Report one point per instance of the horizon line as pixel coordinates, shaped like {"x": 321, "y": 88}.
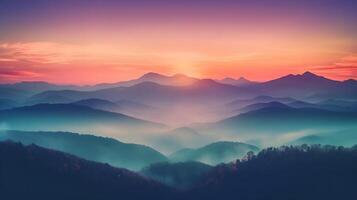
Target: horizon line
{"x": 172, "y": 76}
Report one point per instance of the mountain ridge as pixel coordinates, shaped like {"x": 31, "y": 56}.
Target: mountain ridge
{"x": 90, "y": 147}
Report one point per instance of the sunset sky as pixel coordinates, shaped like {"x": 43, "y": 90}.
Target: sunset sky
{"x": 92, "y": 41}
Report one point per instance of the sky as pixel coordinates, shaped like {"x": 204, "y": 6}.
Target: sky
{"x": 92, "y": 41}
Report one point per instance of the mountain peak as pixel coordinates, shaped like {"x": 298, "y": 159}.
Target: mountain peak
{"x": 151, "y": 75}
{"x": 236, "y": 82}
{"x": 350, "y": 81}
{"x": 306, "y": 76}
{"x": 309, "y": 74}
{"x": 243, "y": 79}
{"x": 228, "y": 79}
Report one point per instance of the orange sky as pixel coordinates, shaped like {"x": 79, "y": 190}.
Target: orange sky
{"x": 258, "y": 59}
{"x": 88, "y": 43}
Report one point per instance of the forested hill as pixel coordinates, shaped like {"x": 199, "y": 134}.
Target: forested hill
{"x": 303, "y": 172}
{"x": 32, "y": 172}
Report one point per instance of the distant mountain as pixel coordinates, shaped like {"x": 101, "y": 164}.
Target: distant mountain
{"x": 122, "y": 106}
{"x": 304, "y": 172}
{"x": 127, "y": 107}
{"x": 69, "y": 117}
{"x": 61, "y": 96}
{"x": 182, "y": 175}
{"x": 40, "y": 86}
{"x": 303, "y": 85}
{"x": 152, "y": 93}
{"x": 215, "y": 153}
{"x": 258, "y": 106}
{"x": 302, "y": 104}
{"x": 306, "y": 85}
{"x": 345, "y": 138}
{"x": 236, "y": 82}
{"x": 332, "y": 105}
{"x": 277, "y": 120}
{"x": 339, "y": 104}
{"x": 13, "y": 93}
{"x": 345, "y": 90}
{"x": 154, "y": 97}
{"x": 100, "y": 104}
{"x": 32, "y": 172}
{"x": 100, "y": 149}
{"x": 53, "y": 99}
{"x": 175, "y": 80}
{"x": 186, "y": 102}
{"x": 240, "y": 105}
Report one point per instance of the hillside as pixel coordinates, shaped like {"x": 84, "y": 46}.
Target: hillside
{"x": 100, "y": 149}
{"x": 215, "y": 153}
{"x": 32, "y": 172}
{"x": 182, "y": 175}
{"x": 278, "y": 120}
{"x": 306, "y": 172}
{"x": 69, "y": 117}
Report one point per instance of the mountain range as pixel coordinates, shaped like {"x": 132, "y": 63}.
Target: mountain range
{"x": 175, "y": 112}
{"x": 276, "y": 118}
{"x": 215, "y": 153}
{"x": 126, "y": 107}
{"x": 174, "y": 80}
{"x": 306, "y": 85}
{"x": 236, "y": 82}
{"x": 303, "y": 172}
{"x": 181, "y": 175}
{"x": 344, "y": 137}
{"x": 158, "y": 95}
{"x": 100, "y": 149}
{"x": 32, "y": 172}
{"x": 70, "y": 117}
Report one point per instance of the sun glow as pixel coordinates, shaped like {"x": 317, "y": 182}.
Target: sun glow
{"x": 101, "y": 44}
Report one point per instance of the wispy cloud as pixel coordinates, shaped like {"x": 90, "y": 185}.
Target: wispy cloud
{"x": 64, "y": 53}
{"x": 56, "y": 62}
{"x": 344, "y": 68}
{"x": 103, "y": 62}
{"x": 335, "y": 67}
{"x": 17, "y": 74}
{"x": 43, "y": 52}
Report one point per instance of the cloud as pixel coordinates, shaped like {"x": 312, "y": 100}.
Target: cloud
{"x": 345, "y": 68}
{"x": 64, "y": 53}
{"x": 65, "y": 63}
{"x": 335, "y": 67}
{"x": 103, "y": 62}
{"x": 7, "y": 60}
{"x": 39, "y": 52}
{"x": 11, "y": 74}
